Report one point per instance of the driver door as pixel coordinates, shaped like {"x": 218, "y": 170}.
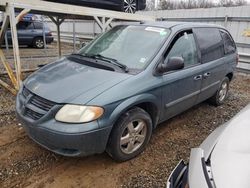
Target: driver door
{"x": 181, "y": 87}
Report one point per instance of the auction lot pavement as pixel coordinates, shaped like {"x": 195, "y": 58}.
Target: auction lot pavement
{"x": 25, "y": 164}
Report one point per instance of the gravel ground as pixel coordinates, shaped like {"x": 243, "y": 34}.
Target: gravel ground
{"x": 31, "y": 57}
{"x": 25, "y": 164}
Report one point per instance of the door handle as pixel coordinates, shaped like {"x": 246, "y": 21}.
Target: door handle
{"x": 198, "y": 77}
{"x": 207, "y": 74}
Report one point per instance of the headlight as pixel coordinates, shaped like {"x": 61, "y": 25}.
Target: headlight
{"x": 78, "y": 114}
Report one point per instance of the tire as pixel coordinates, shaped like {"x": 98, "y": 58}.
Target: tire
{"x": 135, "y": 129}
{"x": 221, "y": 94}
{"x": 130, "y": 6}
{"x": 38, "y": 43}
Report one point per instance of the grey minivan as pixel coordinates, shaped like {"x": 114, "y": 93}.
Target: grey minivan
{"x": 112, "y": 93}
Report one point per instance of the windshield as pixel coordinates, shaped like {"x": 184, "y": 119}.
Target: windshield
{"x": 132, "y": 46}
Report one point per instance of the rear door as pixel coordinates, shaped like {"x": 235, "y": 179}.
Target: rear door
{"x": 25, "y": 33}
{"x": 181, "y": 87}
{"x": 212, "y": 58}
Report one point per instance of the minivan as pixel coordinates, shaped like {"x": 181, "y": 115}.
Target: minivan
{"x": 112, "y": 93}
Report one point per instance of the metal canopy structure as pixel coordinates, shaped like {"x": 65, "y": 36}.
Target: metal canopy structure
{"x": 57, "y": 12}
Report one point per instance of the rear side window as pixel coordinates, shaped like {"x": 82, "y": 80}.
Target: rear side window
{"x": 229, "y": 45}
{"x": 25, "y": 25}
{"x": 210, "y": 43}
{"x": 38, "y": 25}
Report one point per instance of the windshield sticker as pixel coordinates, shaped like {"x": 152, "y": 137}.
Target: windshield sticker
{"x": 142, "y": 60}
{"x": 155, "y": 29}
{"x": 163, "y": 33}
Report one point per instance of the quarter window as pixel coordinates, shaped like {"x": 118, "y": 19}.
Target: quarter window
{"x": 185, "y": 47}
{"x": 25, "y": 25}
{"x": 210, "y": 43}
{"x": 38, "y": 25}
{"x": 229, "y": 45}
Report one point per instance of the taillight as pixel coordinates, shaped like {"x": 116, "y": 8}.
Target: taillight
{"x": 50, "y": 33}
{"x": 237, "y": 59}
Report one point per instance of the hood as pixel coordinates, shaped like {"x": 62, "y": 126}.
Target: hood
{"x": 65, "y": 80}
{"x": 230, "y": 158}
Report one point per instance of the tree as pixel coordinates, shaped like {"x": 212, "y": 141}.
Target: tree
{"x": 226, "y": 3}
{"x": 240, "y": 2}
{"x": 190, "y": 4}
{"x": 166, "y": 4}
{"x": 150, "y": 5}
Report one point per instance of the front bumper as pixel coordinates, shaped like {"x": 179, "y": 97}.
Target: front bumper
{"x": 49, "y": 39}
{"x": 63, "y": 138}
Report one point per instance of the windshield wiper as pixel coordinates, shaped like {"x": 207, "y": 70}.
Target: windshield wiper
{"x": 82, "y": 55}
{"x": 111, "y": 60}
{"x": 107, "y": 59}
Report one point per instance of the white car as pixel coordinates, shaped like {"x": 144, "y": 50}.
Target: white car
{"x": 221, "y": 161}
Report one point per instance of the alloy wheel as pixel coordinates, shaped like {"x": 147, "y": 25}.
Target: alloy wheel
{"x": 223, "y": 91}
{"x": 129, "y": 6}
{"x": 133, "y": 136}
{"x": 39, "y": 43}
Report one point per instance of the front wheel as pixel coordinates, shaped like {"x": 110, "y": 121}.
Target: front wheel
{"x": 130, "y": 135}
{"x": 130, "y": 6}
{"x": 221, "y": 94}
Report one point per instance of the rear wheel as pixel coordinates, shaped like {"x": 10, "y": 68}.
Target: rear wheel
{"x": 130, "y": 6}
{"x": 130, "y": 135}
{"x": 38, "y": 42}
{"x": 222, "y": 93}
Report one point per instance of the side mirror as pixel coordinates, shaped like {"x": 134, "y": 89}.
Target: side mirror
{"x": 174, "y": 63}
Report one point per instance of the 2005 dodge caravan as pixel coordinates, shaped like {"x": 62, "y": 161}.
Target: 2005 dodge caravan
{"x": 114, "y": 91}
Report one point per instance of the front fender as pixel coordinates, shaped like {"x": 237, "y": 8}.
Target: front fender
{"x": 133, "y": 101}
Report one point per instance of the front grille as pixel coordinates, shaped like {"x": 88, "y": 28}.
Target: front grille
{"x": 32, "y": 114}
{"x": 35, "y": 106}
{"x": 25, "y": 92}
{"x": 41, "y": 103}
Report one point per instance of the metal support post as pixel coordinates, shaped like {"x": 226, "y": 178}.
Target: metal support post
{"x": 6, "y": 42}
{"x": 58, "y": 22}
{"x": 74, "y": 35}
{"x": 103, "y": 23}
{"x": 44, "y": 34}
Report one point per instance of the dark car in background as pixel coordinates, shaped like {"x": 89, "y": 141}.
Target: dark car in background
{"x": 221, "y": 161}
{"x": 129, "y": 6}
{"x": 30, "y": 33}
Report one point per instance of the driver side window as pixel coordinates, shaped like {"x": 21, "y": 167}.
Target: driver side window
{"x": 184, "y": 46}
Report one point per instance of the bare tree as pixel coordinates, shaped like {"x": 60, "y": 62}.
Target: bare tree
{"x": 205, "y": 4}
{"x": 190, "y": 4}
{"x": 226, "y": 3}
{"x": 166, "y": 4}
{"x": 240, "y": 2}
{"x": 150, "y": 5}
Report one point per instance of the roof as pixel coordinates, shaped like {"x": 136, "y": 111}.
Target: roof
{"x": 170, "y": 24}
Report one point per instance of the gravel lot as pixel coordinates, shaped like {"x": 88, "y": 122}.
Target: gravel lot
{"x": 25, "y": 164}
